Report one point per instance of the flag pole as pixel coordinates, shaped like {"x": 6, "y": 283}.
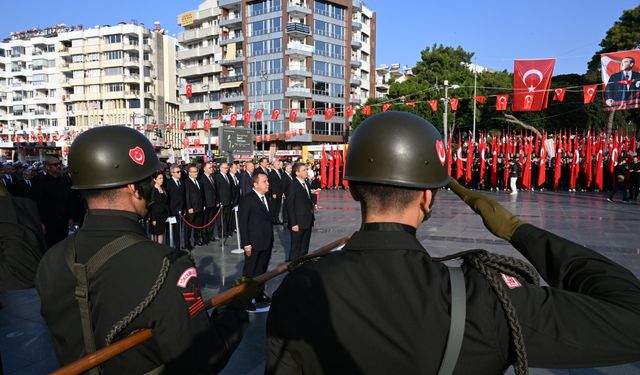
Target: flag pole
{"x": 475, "y": 81}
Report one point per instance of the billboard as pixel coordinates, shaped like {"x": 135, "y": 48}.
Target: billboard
{"x": 621, "y": 77}
{"x": 238, "y": 141}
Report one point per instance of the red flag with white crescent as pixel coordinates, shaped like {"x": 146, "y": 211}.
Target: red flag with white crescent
{"x": 531, "y": 82}
{"x": 433, "y": 104}
{"x": 258, "y": 114}
{"x": 207, "y": 124}
{"x": 480, "y": 99}
{"x": 275, "y": 114}
{"x": 323, "y": 168}
{"x": 501, "y": 102}
{"x": 558, "y": 94}
{"x": 311, "y": 112}
{"x": 293, "y": 113}
{"x": 234, "y": 119}
{"x": 454, "y": 103}
{"x": 386, "y": 106}
{"x": 189, "y": 90}
{"x": 411, "y": 104}
{"x": 366, "y": 110}
{"x": 246, "y": 117}
{"x": 183, "y": 125}
{"x": 194, "y": 124}
{"x": 328, "y": 113}
{"x": 350, "y": 111}
{"x": 589, "y": 93}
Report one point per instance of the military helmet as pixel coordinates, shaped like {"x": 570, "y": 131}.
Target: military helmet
{"x": 399, "y": 149}
{"x": 111, "y": 156}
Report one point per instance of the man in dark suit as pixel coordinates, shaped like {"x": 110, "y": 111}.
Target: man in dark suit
{"x": 194, "y": 206}
{"x": 223, "y": 189}
{"x": 53, "y": 195}
{"x": 235, "y": 193}
{"x": 175, "y": 192}
{"x": 24, "y": 187}
{"x": 624, "y": 85}
{"x": 208, "y": 186}
{"x": 286, "y": 181}
{"x": 299, "y": 212}
{"x": 276, "y": 190}
{"x": 245, "y": 179}
{"x": 263, "y": 166}
{"x": 256, "y": 232}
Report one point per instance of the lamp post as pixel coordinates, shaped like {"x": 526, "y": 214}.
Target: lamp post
{"x": 446, "y": 111}
{"x": 264, "y": 75}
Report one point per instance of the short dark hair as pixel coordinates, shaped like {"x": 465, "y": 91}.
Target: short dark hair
{"x": 378, "y": 197}
{"x": 296, "y": 166}
{"x": 192, "y": 166}
{"x": 633, "y": 60}
{"x": 110, "y": 195}
{"x": 255, "y": 177}
{"x": 156, "y": 174}
{"x": 261, "y": 159}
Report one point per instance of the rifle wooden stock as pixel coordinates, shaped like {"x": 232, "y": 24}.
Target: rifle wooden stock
{"x": 104, "y": 354}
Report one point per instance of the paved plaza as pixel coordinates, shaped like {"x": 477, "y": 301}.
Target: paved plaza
{"x": 612, "y": 229}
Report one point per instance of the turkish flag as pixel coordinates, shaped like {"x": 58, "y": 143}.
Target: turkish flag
{"x": 300, "y": 131}
{"x": 557, "y": 169}
{"x": 185, "y": 142}
{"x": 542, "y": 165}
{"x": 311, "y": 112}
{"x": 293, "y": 113}
{"x": 336, "y": 178}
{"x": 220, "y": 117}
{"x": 207, "y": 124}
{"x": 411, "y": 104}
{"x": 189, "y": 90}
{"x": 433, "y": 104}
{"x": 494, "y": 161}
{"x": 258, "y": 114}
{"x": 246, "y": 117}
{"x": 531, "y": 82}
{"x": 275, "y": 114}
{"x": 234, "y": 119}
{"x": 459, "y": 165}
{"x": 501, "y": 102}
{"x": 155, "y": 125}
{"x": 366, "y": 110}
{"x": 589, "y": 93}
{"x": 194, "y": 124}
{"x": 469, "y": 162}
{"x": 385, "y": 107}
{"x": 332, "y": 166}
{"x": 454, "y": 103}
{"x": 599, "y": 180}
{"x": 328, "y": 113}
{"x": 558, "y": 94}
{"x": 277, "y": 135}
{"x": 196, "y": 142}
{"x": 323, "y": 169}
{"x": 480, "y": 99}
{"x": 349, "y": 111}
{"x": 287, "y": 134}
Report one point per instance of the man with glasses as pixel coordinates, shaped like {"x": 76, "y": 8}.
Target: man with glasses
{"x": 175, "y": 192}
{"x": 53, "y": 195}
{"x": 224, "y": 191}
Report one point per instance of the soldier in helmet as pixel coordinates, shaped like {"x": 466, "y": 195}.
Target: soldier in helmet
{"x": 108, "y": 280}
{"x": 383, "y": 305}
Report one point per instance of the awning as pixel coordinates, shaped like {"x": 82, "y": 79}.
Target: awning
{"x": 230, "y": 85}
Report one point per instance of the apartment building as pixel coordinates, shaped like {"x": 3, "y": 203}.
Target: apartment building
{"x": 386, "y": 73}
{"x": 123, "y": 74}
{"x": 32, "y": 111}
{"x": 237, "y": 57}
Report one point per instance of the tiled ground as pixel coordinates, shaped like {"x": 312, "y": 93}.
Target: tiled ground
{"x": 610, "y": 228}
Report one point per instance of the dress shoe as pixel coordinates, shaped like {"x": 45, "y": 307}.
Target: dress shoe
{"x": 251, "y": 307}
{"x": 263, "y": 298}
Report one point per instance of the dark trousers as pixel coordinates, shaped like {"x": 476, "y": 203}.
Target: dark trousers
{"x": 635, "y": 185}
{"x": 177, "y": 232}
{"x": 619, "y": 186}
{"x": 299, "y": 243}
{"x": 256, "y": 264}
{"x": 284, "y": 212}
{"x": 207, "y": 233}
{"x": 56, "y": 231}
{"x": 274, "y": 209}
{"x": 196, "y": 220}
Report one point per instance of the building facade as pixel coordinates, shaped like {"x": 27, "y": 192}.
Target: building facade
{"x": 281, "y": 57}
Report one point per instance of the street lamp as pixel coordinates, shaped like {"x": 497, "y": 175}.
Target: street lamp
{"x": 446, "y": 110}
{"x": 264, "y": 75}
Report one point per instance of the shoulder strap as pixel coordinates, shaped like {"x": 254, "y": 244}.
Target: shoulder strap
{"x": 84, "y": 272}
{"x": 458, "y": 315}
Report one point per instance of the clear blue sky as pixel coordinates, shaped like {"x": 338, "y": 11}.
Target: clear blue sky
{"x": 498, "y": 31}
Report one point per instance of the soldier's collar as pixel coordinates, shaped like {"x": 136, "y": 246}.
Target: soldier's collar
{"x": 388, "y": 227}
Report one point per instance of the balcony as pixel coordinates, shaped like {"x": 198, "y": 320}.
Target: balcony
{"x": 355, "y": 100}
{"x": 231, "y": 39}
{"x": 355, "y": 63}
{"x": 298, "y": 92}
{"x": 199, "y": 88}
{"x": 298, "y": 72}
{"x": 355, "y": 81}
{"x": 186, "y": 54}
{"x": 231, "y": 21}
{"x": 232, "y": 98}
{"x": 195, "y": 34}
{"x": 234, "y": 78}
{"x": 229, "y": 4}
{"x": 199, "y": 70}
{"x": 357, "y": 5}
{"x": 298, "y": 29}
{"x": 299, "y": 49}
{"x": 298, "y": 8}
{"x": 238, "y": 60}
{"x": 356, "y": 44}
{"x": 356, "y": 25}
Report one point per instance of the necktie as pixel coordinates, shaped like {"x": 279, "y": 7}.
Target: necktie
{"x": 211, "y": 179}
{"x": 177, "y": 182}
{"x": 306, "y": 189}
{"x": 226, "y": 178}
{"x": 278, "y": 172}
{"x": 197, "y": 185}
{"x": 264, "y": 200}
{"x": 29, "y": 183}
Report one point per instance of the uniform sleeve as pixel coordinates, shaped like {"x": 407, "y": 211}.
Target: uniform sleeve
{"x": 589, "y": 315}
{"x": 190, "y": 341}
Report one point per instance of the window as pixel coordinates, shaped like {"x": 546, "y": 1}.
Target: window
{"x": 266, "y": 46}
{"x": 93, "y": 73}
{"x": 51, "y": 47}
{"x": 364, "y": 56}
{"x": 39, "y": 78}
{"x": 77, "y": 59}
{"x": 113, "y": 71}
{"x": 270, "y": 66}
{"x": 116, "y": 38}
{"x": 115, "y": 87}
{"x": 134, "y": 103}
{"x": 328, "y": 29}
{"x": 364, "y": 38}
{"x": 318, "y": 127}
{"x": 113, "y": 55}
{"x": 329, "y": 10}
{"x": 78, "y": 74}
{"x": 94, "y": 89}
{"x": 77, "y": 43}
{"x": 93, "y": 57}
{"x": 78, "y": 89}
{"x": 93, "y": 41}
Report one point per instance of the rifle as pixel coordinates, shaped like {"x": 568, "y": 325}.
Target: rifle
{"x": 98, "y": 357}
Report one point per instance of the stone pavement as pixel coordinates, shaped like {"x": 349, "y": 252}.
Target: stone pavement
{"x": 586, "y": 218}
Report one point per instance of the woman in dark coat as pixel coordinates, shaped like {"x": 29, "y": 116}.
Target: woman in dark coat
{"x": 159, "y": 209}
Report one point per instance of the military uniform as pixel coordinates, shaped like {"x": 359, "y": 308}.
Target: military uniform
{"x": 382, "y": 306}
{"x": 185, "y": 339}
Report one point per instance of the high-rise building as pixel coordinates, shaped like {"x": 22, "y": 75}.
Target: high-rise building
{"x": 32, "y": 111}
{"x": 384, "y": 75}
{"x": 121, "y": 75}
{"x": 238, "y": 57}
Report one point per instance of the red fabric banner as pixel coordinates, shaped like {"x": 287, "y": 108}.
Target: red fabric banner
{"x": 194, "y": 124}
{"x": 542, "y": 165}
{"x": 311, "y": 112}
{"x": 454, "y": 103}
{"x": 531, "y": 82}
{"x": 275, "y": 114}
{"x": 207, "y": 124}
{"x": 336, "y": 178}
{"x": 589, "y": 93}
{"x": 293, "y": 114}
{"x": 480, "y": 99}
{"x": 323, "y": 169}
{"x": 558, "y": 94}
{"x": 501, "y": 102}
{"x": 386, "y": 106}
{"x": 234, "y": 119}
{"x": 332, "y": 166}
{"x": 433, "y": 104}
{"x": 328, "y": 113}
{"x": 366, "y": 110}
{"x": 349, "y": 111}
{"x": 246, "y": 117}
{"x": 258, "y": 114}
{"x": 189, "y": 90}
